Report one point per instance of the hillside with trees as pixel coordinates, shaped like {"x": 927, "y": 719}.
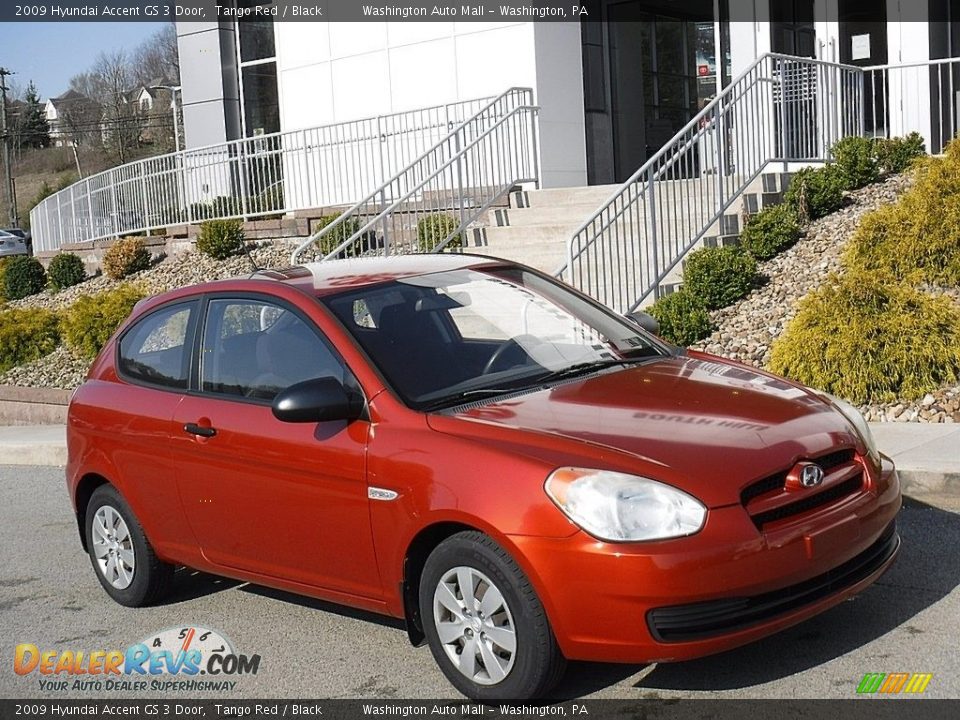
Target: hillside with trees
{"x": 116, "y": 111}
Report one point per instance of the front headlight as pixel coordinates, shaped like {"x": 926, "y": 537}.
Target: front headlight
{"x": 856, "y": 419}
{"x": 618, "y": 507}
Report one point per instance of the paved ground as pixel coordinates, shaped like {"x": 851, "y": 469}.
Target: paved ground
{"x": 49, "y": 596}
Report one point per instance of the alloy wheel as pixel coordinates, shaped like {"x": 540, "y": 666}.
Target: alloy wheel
{"x": 474, "y": 625}
{"x": 113, "y": 547}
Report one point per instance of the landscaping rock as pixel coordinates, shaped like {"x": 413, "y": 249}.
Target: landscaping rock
{"x": 746, "y": 329}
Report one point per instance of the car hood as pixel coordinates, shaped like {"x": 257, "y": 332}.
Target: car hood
{"x": 701, "y": 423}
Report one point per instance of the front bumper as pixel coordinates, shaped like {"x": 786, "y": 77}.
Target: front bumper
{"x": 726, "y": 586}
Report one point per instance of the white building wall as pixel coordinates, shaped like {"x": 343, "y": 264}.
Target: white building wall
{"x": 331, "y": 73}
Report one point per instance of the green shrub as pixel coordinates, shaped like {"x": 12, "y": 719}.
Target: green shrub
{"x": 226, "y": 205}
{"x": 770, "y": 231}
{"x": 3, "y": 283}
{"x": 125, "y": 257}
{"x": 434, "y": 228}
{"x": 683, "y": 318}
{"x": 814, "y": 193}
{"x": 270, "y": 200}
{"x": 917, "y": 237}
{"x": 220, "y": 238}
{"x": 26, "y": 335}
{"x": 66, "y": 270}
{"x": 337, "y": 236}
{"x": 91, "y": 320}
{"x": 867, "y": 338}
{"x": 220, "y": 206}
{"x": 856, "y": 162}
{"x": 23, "y": 276}
{"x": 719, "y": 276}
{"x": 894, "y": 155}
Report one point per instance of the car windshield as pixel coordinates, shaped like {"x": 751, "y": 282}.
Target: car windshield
{"x": 442, "y": 339}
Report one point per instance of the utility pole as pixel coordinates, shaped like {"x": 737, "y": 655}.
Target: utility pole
{"x": 14, "y": 220}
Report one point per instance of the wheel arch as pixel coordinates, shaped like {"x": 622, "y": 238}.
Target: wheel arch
{"x": 81, "y": 497}
{"x": 414, "y": 559}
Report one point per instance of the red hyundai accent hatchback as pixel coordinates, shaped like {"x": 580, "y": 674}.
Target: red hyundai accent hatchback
{"x": 522, "y": 475}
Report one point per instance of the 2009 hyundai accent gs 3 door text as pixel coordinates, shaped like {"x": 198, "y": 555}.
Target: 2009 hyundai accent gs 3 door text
{"x": 521, "y": 474}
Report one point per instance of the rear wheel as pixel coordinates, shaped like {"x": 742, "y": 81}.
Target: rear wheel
{"x": 122, "y": 557}
{"x": 485, "y": 624}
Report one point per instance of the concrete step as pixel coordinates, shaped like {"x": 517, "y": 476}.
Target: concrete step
{"x": 551, "y": 197}
{"x": 573, "y": 214}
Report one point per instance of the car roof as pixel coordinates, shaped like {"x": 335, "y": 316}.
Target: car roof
{"x": 324, "y": 278}
{"x": 333, "y": 276}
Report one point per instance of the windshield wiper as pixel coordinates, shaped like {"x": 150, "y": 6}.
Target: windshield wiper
{"x": 532, "y": 383}
{"x": 588, "y": 367}
{"x": 464, "y": 396}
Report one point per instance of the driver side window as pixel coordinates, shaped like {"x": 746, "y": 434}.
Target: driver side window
{"x": 254, "y": 349}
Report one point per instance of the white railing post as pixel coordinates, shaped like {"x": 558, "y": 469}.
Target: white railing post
{"x": 90, "y": 224}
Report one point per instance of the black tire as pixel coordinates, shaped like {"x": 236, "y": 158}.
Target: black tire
{"x": 152, "y": 578}
{"x": 537, "y": 661}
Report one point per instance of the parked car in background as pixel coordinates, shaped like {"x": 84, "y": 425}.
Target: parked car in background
{"x": 521, "y": 474}
{"x": 12, "y": 244}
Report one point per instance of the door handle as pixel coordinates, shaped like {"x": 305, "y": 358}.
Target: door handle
{"x": 195, "y": 429}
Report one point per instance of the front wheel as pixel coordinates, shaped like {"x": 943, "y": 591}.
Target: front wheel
{"x": 485, "y": 624}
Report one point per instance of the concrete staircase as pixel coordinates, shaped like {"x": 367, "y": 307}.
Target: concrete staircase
{"x": 536, "y": 226}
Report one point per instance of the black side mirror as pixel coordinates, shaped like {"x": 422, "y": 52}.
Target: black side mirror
{"x": 319, "y": 400}
{"x": 644, "y": 320}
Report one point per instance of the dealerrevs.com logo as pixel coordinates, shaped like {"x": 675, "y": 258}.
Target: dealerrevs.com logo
{"x": 190, "y": 658}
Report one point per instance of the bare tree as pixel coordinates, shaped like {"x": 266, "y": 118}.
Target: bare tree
{"x": 111, "y": 82}
{"x": 157, "y": 58}
{"x": 80, "y": 115}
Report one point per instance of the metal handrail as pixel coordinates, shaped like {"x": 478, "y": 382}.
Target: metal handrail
{"x": 407, "y": 194}
{"x": 629, "y": 245}
{"x": 394, "y": 205}
{"x": 273, "y": 174}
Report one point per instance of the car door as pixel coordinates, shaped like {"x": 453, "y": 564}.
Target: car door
{"x": 133, "y": 419}
{"x": 286, "y": 500}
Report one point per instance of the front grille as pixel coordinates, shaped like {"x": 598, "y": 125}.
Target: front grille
{"x": 836, "y": 465}
{"x": 697, "y": 621}
{"x": 777, "y": 481}
{"x": 810, "y": 502}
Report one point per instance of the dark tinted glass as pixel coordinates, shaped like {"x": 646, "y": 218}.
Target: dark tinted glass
{"x": 437, "y": 335}
{"x": 256, "y": 37}
{"x": 255, "y": 349}
{"x": 260, "y": 99}
{"x": 156, "y": 350}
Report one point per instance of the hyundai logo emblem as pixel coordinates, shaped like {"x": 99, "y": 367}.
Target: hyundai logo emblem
{"x": 811, "y": 475}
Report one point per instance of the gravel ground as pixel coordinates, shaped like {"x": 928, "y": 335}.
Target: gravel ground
{"x": 746, "y": 329}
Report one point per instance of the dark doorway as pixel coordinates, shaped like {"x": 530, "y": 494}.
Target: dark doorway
{"x": 791, "y": 28}
{"x": 793, "y": 33}
{"x": 863, "y": 32}
{"x": 863, "y": 42}
{"x": 648, "y": 69}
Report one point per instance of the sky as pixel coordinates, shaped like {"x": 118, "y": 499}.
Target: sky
{"x": 50, "y": 53}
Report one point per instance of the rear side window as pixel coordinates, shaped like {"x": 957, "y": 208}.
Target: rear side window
{"x": 156, "y": 350}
